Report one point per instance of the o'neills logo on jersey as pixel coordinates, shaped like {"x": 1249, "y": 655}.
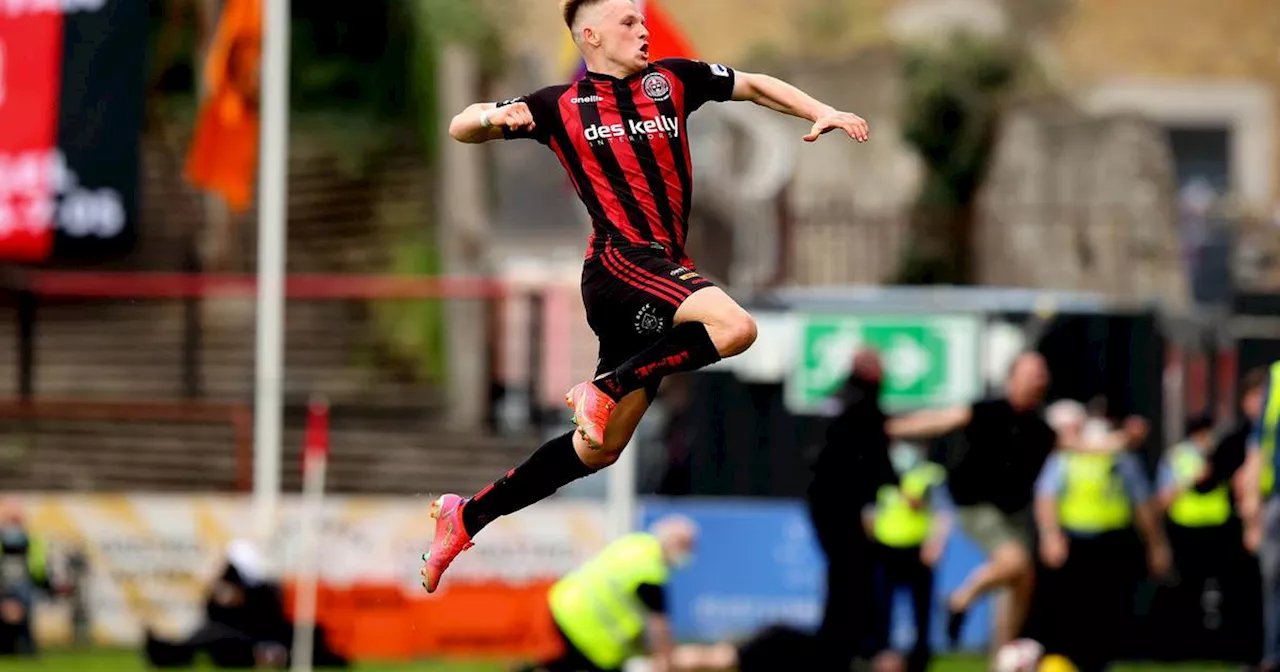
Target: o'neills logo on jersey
{"x": 634, "y": 129}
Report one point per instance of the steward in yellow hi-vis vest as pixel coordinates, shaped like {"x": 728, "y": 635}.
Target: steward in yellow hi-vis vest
{"x": 909, "y": 523}
{"x": 1183, "y": 470}
{"x": 1205, "y": 534}
{"x": 1260, "y": 503}
{"x": 1093, "y": 505}
{"x": 1267, "y": 430}
{"x": 604, "y": 608}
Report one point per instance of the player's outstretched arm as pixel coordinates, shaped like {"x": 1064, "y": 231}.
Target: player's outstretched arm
{"x": 778, "y": 95}
{"x": 482, "y": 122}
{"x": 928, "y": 423}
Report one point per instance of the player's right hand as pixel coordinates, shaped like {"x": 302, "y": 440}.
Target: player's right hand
{"x": 1252, "y": 537}
{"x": 515, "y": 116}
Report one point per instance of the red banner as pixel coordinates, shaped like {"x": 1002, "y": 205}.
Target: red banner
{"x": 30, "y": 81}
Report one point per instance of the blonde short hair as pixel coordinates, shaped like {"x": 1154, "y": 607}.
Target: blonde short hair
{"x": 569, "y": 9}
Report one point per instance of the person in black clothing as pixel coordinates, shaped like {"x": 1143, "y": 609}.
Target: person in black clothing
{"x": 1213, "y": 612}
{"x": 851, "y": 467}
{"x": 1006, "y": 443}
{"x": 245, "y": 626}
{"x": 1207, "y": 538}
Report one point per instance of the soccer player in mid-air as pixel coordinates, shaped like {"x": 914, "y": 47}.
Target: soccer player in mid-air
{"x": 620, "y": 133}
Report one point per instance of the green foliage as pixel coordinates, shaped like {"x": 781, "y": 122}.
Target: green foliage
{"x": 351, "y": 58}
{"x": 359, "y": 72}
{"x": 412, "y": 333}
{"x": 362, "y": 76}
{"x": 953, "y": 99}
{"x": 954, "y": 94}
{"x": 437, "y": 23}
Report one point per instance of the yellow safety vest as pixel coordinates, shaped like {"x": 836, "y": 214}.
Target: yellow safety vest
{"x": 35, "y": 567}
{"x": 596, "y": 606}
{"x": 1191, "y": 508}
{"x": 897, "y": 523}
{"x": 1095, "y": 500}
{"x": 1270, "y": 425}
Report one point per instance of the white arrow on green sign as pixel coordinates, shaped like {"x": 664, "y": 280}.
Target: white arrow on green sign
{"x": 929, "y": 360}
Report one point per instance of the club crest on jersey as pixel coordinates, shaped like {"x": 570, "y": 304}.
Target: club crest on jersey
{"x": 656, "y": 86}
{"x": 648, "y": 321}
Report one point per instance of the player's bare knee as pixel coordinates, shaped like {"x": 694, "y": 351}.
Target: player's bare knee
{"x": 1025, "y": 583}
{"x": 1016, "y": 558}
{"x": 736, "y": 332}
{"x": 597, "y": 458}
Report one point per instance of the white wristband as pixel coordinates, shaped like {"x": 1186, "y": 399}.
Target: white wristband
{"x": 484, "y": 119}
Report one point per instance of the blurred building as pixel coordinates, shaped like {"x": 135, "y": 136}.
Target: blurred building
{"x": 1151, "y": 98}
{"x": 1150, "y": 170}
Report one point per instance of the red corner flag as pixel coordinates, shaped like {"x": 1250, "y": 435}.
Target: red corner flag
{"x": 317, "y": 438}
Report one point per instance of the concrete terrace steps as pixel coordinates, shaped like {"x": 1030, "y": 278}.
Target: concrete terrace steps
{"x": 136, "y": 349}
{"x": 132, "y": 351}
{"x": 366, "y": 456}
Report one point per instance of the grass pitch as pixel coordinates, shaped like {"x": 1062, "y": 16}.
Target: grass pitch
{"x": 130, "y": 661}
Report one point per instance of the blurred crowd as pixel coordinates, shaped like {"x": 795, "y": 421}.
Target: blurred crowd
{"x": 1095, "y": 550}
{"x": 245, "y": 622}
{"x": 1092, "y": 548}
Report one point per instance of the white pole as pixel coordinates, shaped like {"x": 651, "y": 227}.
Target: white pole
{"x": 621, "y": 493}
{"x": 315, "y": 460}
{"x": 304, "y": 612}
{"x": 272, "y": 194}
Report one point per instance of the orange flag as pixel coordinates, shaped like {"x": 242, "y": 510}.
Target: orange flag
{"x": 223, "y": 157}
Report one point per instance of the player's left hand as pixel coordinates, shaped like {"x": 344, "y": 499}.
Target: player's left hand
{"x": 931, "y": 552}
{"x": 848, "y": 122}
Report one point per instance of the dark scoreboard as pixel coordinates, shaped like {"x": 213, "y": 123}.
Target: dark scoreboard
{"x": 72, "y": 87}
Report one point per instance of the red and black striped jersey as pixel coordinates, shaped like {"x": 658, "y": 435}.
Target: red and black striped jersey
{"x": 624, "y": 145}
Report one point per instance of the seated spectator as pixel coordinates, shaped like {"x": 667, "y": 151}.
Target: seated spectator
{"x": 246, "y": 624}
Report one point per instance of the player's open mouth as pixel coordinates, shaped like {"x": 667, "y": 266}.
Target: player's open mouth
{"x": 644, "y": 49}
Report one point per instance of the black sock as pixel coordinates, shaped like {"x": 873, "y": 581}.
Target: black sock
{"x": 553, "y": 465}
{"x": 686, "y": 347}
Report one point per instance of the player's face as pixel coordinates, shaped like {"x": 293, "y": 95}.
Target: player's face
{"x": 1028, "y": 382}
{"x": 1252, "y": 404}
{"x": 624, "y": 38}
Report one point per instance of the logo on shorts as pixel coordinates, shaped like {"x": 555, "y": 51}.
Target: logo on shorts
{"x": 688, "y": 275}
{"x": 679, "y": 270}
{"x": 647, "y": 320}
{"x": 656, "y": 86}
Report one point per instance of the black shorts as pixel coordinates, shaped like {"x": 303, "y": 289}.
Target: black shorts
{"x": 631, "y": 294}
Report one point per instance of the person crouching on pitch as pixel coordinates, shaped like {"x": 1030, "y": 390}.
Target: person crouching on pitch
{"x": 604, "y": 608}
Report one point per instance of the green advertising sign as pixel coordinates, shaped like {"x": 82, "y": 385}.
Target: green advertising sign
{"x": 928, "y": 360}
